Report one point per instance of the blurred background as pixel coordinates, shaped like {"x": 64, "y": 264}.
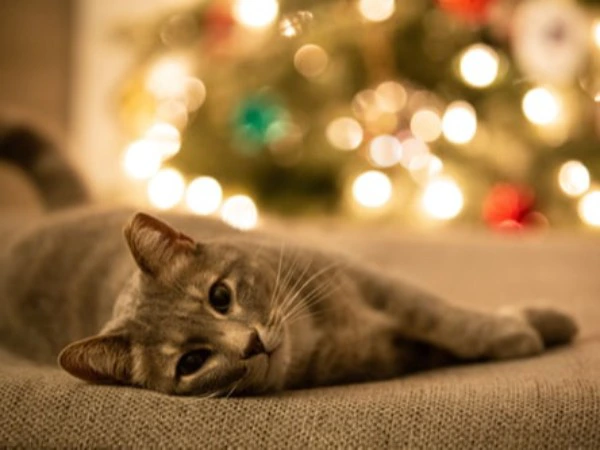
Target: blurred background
{"x": 422, "y": 113}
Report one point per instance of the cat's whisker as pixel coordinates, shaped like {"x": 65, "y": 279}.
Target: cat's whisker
{"x": 277, "y": 277}
{"x": 312, "y": 278}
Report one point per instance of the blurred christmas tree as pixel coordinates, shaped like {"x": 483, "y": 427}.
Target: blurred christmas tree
{"x": 480, "y": 111}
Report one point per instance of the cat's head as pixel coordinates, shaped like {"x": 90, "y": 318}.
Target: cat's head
{"x": 198, "y": 318}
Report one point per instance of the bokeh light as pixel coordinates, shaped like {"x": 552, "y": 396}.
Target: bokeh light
{"x": 385, "y": 151}
{"x": 311, "y": 60}
{"x": 589, "y": 208}
{"x": 479, "y": 66}
{"x": 376, "y": 10}
{"x": 256, "y": 13}
{"x": 142, "y": 159}
{"x": 442, "y": 199}
{"x": 167, "y": 76}
{"x": 391, "y": 96}
{"x": 426, "y": 125}
{"x": 204, "y": 195}
{"x": 372, "y": 189}
{"x": 194, "y": 93}
{"x": 596, "y": 32}
{"x": 165, "y": 137}
{"x": 541, "y": 106}
{"x": 459, "y": 123}
{"x": 574, "y": 178}
{"x": 293, "y": 25}
{"x": 240, "y": 212}
{"x": 166, "y": 188}
{"x": 344, "y": 133}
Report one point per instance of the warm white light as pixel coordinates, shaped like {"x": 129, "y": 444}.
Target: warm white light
{"x": 426, "y": 125}
{"x": 391, "y": 96}
{"x": 426, "y": 164}
{"x": 311, "y": 60}
{"x": 459, "y": 123}
{"x": 541, "y": 106}
{"x": 240, "y": 212}
{"x": 442, "y": 199}
{"x": 385, "y": 151}
{"x": 574, "y": 178}
{"x": 589, "y": 208}
{"x": 204, "y": 195}
{"x": 344, "y": 133}
{"x": 295, "y": 24}
{"x": 372, "y": 189}
{"x": 376, "y": 10}
{"x": 596, "y": 32}
{"x": 413, "y": 148}
{"x": 194, "y": 93}
{"x": 165, "y": 137}
{"x": 479, "y": 65}
{"x": 167, "y": 77}
{"x": 166, "y": 189}
{"x": 142, "y": 159}
{"x": 173, "y": 111}
{"x": 256, "y": 13}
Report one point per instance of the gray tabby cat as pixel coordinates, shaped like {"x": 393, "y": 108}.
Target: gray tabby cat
{"x": 194, "y": 307}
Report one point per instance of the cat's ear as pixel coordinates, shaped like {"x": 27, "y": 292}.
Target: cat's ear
{"x": 154, "y": 244}
{"x": 99, "y": 359}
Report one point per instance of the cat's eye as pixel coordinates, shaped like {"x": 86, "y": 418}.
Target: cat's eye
{"x": 219, "y": 297}
{"x": 192, "y": 362}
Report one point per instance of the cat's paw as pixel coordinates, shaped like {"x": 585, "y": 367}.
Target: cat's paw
{"x": 514, "y": 337}
{"x": 555, "y": 327}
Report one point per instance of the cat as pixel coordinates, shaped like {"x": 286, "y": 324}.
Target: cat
{"x": 186, "y": 305}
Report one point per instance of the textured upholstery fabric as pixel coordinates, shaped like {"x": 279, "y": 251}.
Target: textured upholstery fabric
{"x": 551, "y": 401}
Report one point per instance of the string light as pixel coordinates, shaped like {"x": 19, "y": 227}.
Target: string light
{"x": 413, "y": 148}
{"x": 385, "y": 151}
{"x": 442, "y": 199}
{"x": 166, "y": 188}
{"x": 541, "y": 106}
{"x": 459, "y": 123}
{"x": 311, "y": 60}
{"x": 391, "y": 96}
{"x": 256, "y": 13}
{"x": 165, "y": 137}
{"x": 142, "y": 159}
{"x": 204, "y": 195}
{"x": 194, "y": 93}
{"x": 573, "y": 178}
{"x": 479, "y": 66}
{"x": 240, "y": 212}
{"x": 372, "y": 189}
{"x": 376, "y": 10}
{"x": 589, "y": 208}
{"x": 426, "y": 125}
{"x": 167, "y": 76}
{"x": 344, "y": 133}
{"x": 423, "y": 167}
{"x": 596, "y": 32}
{"x": 293, "y": 25}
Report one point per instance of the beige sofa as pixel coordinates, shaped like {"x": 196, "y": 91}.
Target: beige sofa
{"x": 551, "y": 401}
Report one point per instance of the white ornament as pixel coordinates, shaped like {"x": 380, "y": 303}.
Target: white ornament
{"x": 551, "y": 40}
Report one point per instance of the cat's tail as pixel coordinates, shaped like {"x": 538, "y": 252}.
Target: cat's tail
{"x": 554, "y": 326}
{"x": 56, "y": 181}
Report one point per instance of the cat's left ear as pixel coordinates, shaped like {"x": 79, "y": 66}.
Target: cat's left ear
{"x": 155, "y": 245}
{"x": 99, "y": 359}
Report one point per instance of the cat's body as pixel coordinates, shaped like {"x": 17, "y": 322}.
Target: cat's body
{"x": 298, "y": 317}
{"x": 195, "y": 307}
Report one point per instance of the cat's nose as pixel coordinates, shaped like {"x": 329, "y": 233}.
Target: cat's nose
{"x": 254, "y": 347}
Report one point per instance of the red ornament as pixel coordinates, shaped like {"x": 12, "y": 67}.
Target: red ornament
{"x": 510, "y": 207}
{"x": 469, "y": 10}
